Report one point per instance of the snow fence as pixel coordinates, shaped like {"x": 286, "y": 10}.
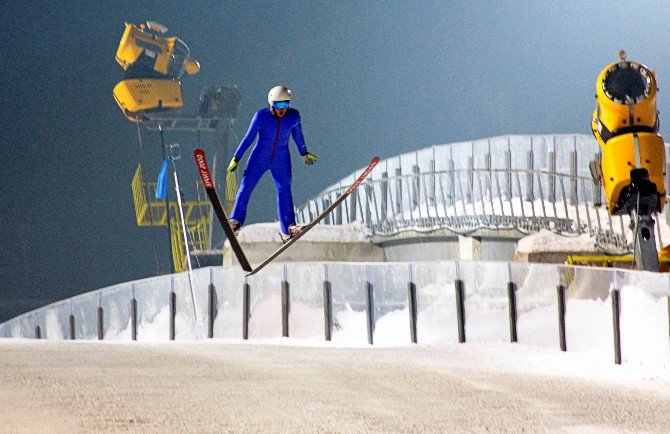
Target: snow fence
{"x": 606, "y": 311}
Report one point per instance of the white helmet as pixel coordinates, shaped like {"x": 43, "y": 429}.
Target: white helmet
{"x": 279, "y": 93}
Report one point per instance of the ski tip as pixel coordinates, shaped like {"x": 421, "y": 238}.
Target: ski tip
{"x": 201, "y": 162}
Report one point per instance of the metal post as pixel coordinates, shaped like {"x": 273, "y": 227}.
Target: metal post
{"x": 309, "y": 211}
{"x": 384, "y": 196}
{"x": 471, "y": 180}
{"x": 540, "y": 190}
{"x": 100, "y": 323}
{"x": 574, "y": 195}
{"x": 444, "y": 200}
{"x": 368, "y": 201}
{"x": 398, "y": 190}
{"x": 551, "y": 195}
{"x": 597, "y": 184}
{"x": 352, "y": 209}
{"x": 460, "y": 309}
{"x": 511, "y": 295}
{"x": 345, "y": 204}
{"x": 369, "y": 299}
{"x": 427, "y": 199}
{"x": 488, "y": 166}
{"x": 481, "y": 197}
{"x": 285, "y": 307}
{"x": 452, "y": 182}
{"x": 133, "y": 317}
{"x": 463, "y": 197}
{"x": 560, "y": 289}
{"x": 432, "y": 197}
{"x": 72, "y": 334}
{"x": 616, "y": 324}
{"x": 327, "y": 310}
{"x": 500, "y": 196}
{"x": 530, "y": 162}
{"x": 326, "y": 204}
{"x": 415, "y": 192}
{"x": 508, "y": 175}
{"x": 246, "y": 295}
{"x": 411, "y": 295}
{"x": 173, "y": 314}
{"x": 212, "y": 300}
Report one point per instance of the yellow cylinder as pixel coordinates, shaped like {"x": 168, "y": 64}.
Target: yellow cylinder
{"x": 625, "y": 101}
{"x": 625, "y": 124}
{"x": 619, "y": 159}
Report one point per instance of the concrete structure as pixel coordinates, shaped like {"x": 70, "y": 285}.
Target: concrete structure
{"x": 352, "y": 243}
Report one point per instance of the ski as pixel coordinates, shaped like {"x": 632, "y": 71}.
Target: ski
{"x": 318, "y": 218}
{"x": 208, "y": 182}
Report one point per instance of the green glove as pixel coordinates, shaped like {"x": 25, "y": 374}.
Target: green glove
{"x": 309, "y": 158}
{"x": 233, "y": 165}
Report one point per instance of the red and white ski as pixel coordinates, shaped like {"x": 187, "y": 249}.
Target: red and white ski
{"x": 208, "y": 182}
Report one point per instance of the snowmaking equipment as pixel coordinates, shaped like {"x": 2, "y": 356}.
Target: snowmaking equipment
{"x": 632, "y": 168}
{"x": 153, "y": 64}
{"x": 150, "y": 95}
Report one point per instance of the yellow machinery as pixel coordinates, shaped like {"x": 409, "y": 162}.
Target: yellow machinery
{"x": 197, "y": 216}
{"x": 148, "y": 94}
{"x": 615, "y": 261}
{"x": 625, "y": 124}
{"x": 153, "y": 66}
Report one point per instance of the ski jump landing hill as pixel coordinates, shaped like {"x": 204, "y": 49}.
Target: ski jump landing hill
{"x": 412, "y": 208}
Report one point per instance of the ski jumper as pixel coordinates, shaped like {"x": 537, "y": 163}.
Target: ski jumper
{"x": 270, "y": 153}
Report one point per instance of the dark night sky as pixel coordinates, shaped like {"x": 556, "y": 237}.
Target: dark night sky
{"x": 369, "y": 77}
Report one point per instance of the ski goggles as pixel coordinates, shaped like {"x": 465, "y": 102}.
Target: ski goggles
{"x": 281, "y": 105}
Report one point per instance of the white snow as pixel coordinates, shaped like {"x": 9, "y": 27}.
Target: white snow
{"x": 546, "y": 240}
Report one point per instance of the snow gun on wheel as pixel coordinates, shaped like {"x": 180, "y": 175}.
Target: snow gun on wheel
{"x": 153, "y": 66}
{"x": 625, "y": 124}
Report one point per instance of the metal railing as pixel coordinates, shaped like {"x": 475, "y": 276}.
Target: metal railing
{"x": 466, "y": 199}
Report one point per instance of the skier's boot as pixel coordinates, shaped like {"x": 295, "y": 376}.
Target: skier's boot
{"x": 294, "y": 230}
{"x": 235, "y": 226}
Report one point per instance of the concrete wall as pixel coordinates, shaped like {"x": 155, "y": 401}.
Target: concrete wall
{"x": 420, "y": 247}
{"x": 305, "y": 251}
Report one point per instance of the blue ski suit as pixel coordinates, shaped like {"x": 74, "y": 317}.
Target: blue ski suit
{"x": 270, "y": 153}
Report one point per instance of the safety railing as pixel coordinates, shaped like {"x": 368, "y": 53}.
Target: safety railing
{"x": 466, "y": 187}
{"x": 603, "y": 310}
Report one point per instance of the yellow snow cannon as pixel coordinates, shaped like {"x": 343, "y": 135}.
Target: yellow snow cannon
{"x": 153, "y": 64}
{"x": 625, "y": 124}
